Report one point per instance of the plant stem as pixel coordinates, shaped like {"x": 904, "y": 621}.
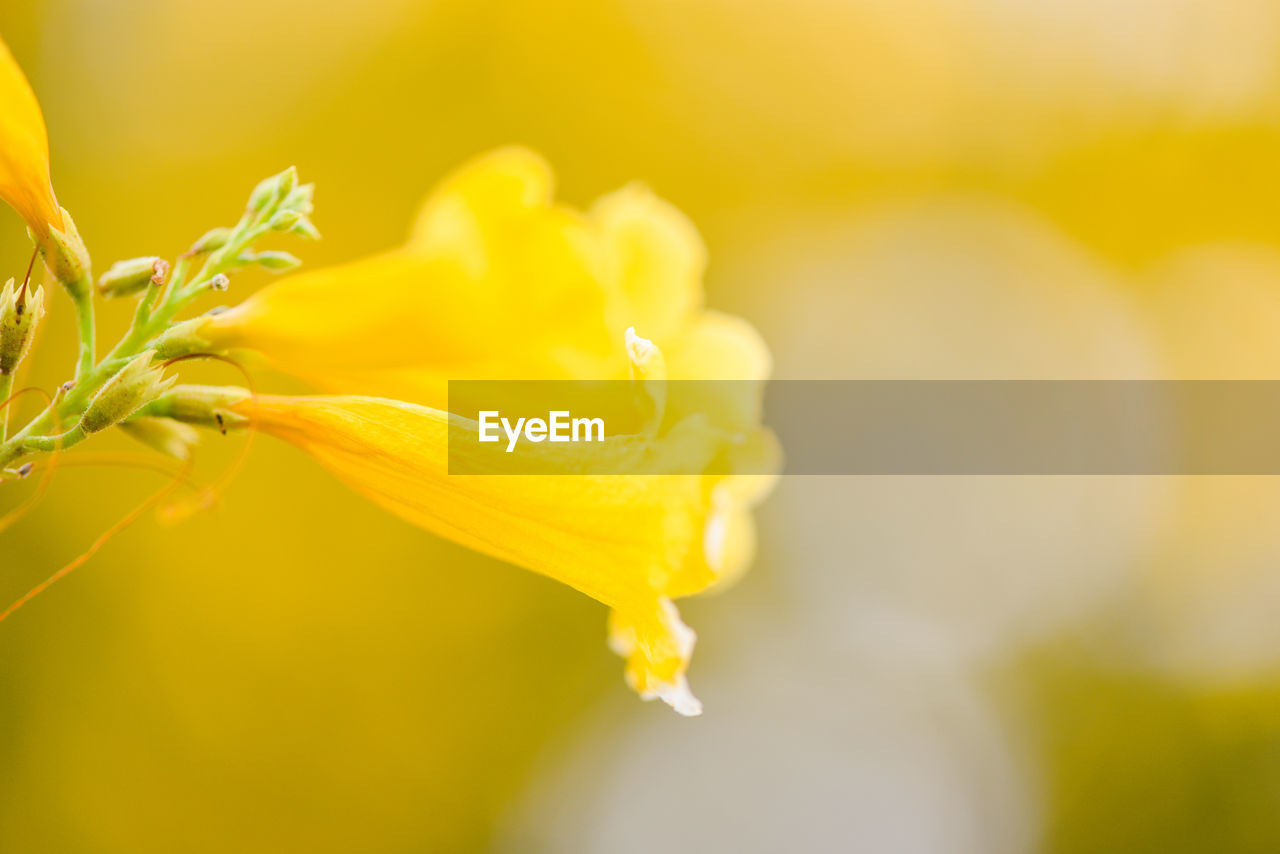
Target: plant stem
{"x": 85, "y": 326}
{"x": 6, "y": 389}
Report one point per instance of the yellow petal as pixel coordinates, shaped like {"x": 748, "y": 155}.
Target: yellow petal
{"x": 24, "y": 151}
{"x": 654, "y": 260}
{"x": 511, "y": 248}
{"x": 657, "y": 647}
{"x": 728, "y": 351}
{"x": 501, "y": 185}
{"x": 629, "y": 541}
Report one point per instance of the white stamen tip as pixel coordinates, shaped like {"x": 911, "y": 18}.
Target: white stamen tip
{"x": 639, "y": 350}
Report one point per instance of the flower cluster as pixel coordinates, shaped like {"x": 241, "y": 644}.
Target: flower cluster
{"x": 496, "y": 281}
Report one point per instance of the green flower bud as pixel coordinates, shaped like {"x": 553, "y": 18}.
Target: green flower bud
{"x": 183, "y": 339}
{"x": 126, "y": 278}
{"x": 202, "y": 405}
{"x": 306, "y": 230}
{"x": 20, "y": 313}
{"x": 271, "y": 190}
{"x": 285, "y": 220}
{"x": 263, "y": 194}
{"x": 300, "y": 199}
{"x": 136, "y": 384}
{"x": 169, "y": 437}
{"x": 67, "y": 258}
{"x": 288, "y": 181}
{"x": 276, "y": 262}
{"x": 214, "y": 238}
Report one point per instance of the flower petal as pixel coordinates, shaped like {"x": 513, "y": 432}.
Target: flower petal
{"x": 654, "y": 259}
{"x": 630, "y": 541}
{"x": 24, "y": 151}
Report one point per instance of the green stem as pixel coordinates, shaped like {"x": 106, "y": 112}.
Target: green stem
{"x": 53, "y": 443}
{"x": 88, "y": 334}
{"x": 6, "y": 389}
{"x": 154, "y": 314}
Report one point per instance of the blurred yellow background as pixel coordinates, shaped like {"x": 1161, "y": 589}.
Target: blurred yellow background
{"x": 889, "y": 188}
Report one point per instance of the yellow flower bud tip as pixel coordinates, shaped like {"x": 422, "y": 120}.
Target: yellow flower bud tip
{"x": 137, "y": 383}
{"x": 128, "y": 277}
{"x": 20, "y": 313}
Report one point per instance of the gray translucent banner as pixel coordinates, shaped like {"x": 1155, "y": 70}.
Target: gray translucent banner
{"x": 931, "y": 427}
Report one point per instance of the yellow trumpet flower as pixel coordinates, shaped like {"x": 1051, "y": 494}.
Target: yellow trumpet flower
{"x": 631, "y": 541}
{"x": 497, "y": 281}
{"x": 24, "y": 152}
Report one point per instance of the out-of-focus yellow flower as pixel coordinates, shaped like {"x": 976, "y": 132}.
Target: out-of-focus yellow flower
{"x": 631, "y": 541}
{"x": 24, "y": 152}
{"x": 499, "y": 282}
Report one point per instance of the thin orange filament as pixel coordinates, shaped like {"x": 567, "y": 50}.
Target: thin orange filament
{"x": 122, "y": 459}
{"x": 209, "y": 496}
{"x": 125, "y": 521}
{"x": 11, "y": 518}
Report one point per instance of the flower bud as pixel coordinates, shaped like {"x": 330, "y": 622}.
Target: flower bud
{"x": 128, "y": 277}
{"x": 285, "y": 220}
{"x": 306, "y": 230}
{"x": 203, "y": 405}
{"x": 300, "y": 199}
{"x": 169, "y": 437}
{"x": 183, "y": 339}
{"x": 214, "y": 238}
{"x": 67, "y": 257}
{"x": 276, "y": 262}
{"x": 271, "y": 190}
{"x": 137, "y": 383}
{"x": 20, "y": 313}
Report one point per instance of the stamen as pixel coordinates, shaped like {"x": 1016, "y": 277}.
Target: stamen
{"x": 22, "y": 292}
{"x": 120, "y": 459}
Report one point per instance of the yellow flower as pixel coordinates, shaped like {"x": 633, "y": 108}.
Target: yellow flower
{"x": 499, "y": 282}
{"x": 24, "y": 152}
{"x": 631, "y": 541}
